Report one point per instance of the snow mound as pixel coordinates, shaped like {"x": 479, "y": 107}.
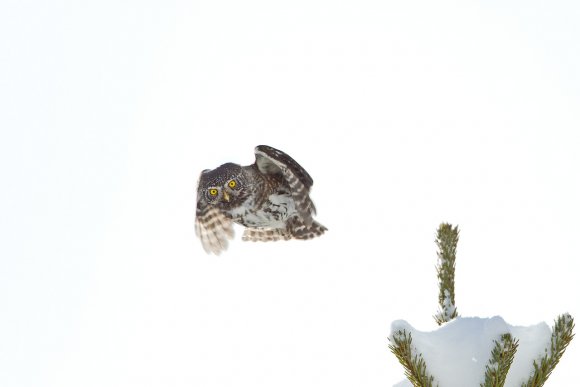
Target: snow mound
{"x": 456, "y": 354}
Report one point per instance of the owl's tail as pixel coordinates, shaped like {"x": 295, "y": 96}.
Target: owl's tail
{"x": 296, "y": 229}
{"x": 299, "y": 230}
{"x": 265, "y": 234}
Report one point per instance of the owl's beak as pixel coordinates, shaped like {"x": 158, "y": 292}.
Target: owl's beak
{"x": 226, "y": 196}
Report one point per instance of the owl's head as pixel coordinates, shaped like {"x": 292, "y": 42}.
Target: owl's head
{"x": 224, "y": 187}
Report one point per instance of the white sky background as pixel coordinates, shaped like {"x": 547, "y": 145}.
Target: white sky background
{"x": 406, "y": 114}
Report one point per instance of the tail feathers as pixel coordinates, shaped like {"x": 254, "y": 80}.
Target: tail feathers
{"x": 265, "y": 234}
{"x": 296, "y": 229}
{"x": 300, "y": 230}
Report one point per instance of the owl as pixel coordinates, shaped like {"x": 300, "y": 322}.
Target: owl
{"x": 270, "y": 198}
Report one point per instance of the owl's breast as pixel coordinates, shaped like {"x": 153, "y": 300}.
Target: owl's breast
{"x": 271, "y": 213}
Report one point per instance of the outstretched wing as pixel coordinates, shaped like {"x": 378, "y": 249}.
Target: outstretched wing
{"x": 213, "y": 227}
{"x": 273, "y": 161}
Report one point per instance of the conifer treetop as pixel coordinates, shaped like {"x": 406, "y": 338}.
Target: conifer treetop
{"x": 447, "y": 239}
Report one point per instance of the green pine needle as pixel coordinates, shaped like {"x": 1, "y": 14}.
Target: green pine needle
{"x": 501, "y": 359}
{"x": 447, "y": 238}
{"x": 415, "y": 367}
{"x": 561, "y": 337}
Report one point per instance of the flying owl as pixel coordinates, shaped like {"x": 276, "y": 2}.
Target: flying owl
{"x": 270, "y": 198}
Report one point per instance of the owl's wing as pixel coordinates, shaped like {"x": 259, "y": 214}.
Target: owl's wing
{"x": 273, "y": 161}
{"x": 212, "y": 226}
{"x": 214, "y": 229}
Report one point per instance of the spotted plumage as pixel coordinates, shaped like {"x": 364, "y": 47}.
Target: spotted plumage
{"x": 271, "y": 198}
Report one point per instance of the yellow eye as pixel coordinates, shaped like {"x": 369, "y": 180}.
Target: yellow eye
{"x": 213, "y": 191}
{"x": 232, "y": 184}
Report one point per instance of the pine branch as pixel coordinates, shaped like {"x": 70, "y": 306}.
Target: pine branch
{"x": 447, "y": 238}
{"x": 561, "y": 337}
{"x": 415, "y": 367}
{"x": 502, "y": 356}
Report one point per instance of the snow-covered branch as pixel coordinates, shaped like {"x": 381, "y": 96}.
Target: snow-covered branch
{"x": 500, "y": 362}
{"x": 451, "y": 355}
{"x": 415, "y": 369}
{"x": 561, "y": 337}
